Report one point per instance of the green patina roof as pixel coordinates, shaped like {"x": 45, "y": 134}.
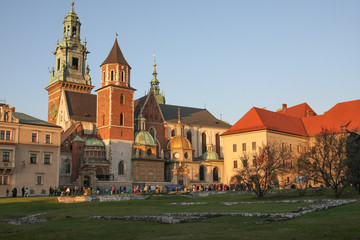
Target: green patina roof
{"x": 210, "y": 156}
{"x": 77, "y": 138}
{"x": 144, "y": 138}
{"x": 94, "y": 142}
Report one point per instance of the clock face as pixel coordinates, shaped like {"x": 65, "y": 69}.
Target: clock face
{"x": 53, "y": 111}
{"x": 177, "y": 155}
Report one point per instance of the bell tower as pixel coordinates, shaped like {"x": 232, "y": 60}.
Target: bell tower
{"x": 71, "y": 72}
{"x": 115, "y": 112}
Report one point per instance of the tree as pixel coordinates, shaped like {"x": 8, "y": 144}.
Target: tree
{"x": 261, "y": 170}
{"x": 353, "y": 160}
{"x": 325, "y": 160}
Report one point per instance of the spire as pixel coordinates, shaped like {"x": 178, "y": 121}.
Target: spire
{"x": 115, "y": 55}
{"x": 179, "y": 126}
{"x": 179, "y": 116}
{"x": 154, "y": 85}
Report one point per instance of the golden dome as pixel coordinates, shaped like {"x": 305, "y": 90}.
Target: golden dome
{"x": 179, "y": 142}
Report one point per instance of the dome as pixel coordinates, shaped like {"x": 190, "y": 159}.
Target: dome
{"x": 210, "y": 155}
{"x": 77, "y": 138}
{"x": 94, "y": 142}
{"x": 179, "y": 142}
{"x": 144, "y": 138}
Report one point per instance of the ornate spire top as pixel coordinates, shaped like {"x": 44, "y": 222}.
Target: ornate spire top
{"x": 179, "y": 115}
{"x": 154, "y": 72}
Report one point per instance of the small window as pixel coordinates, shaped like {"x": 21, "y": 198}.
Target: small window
{"x": 122, "y": 76}
{"x": 75, "y": 63}
{"x": 58, "y": 64}
{"x": 73, "y": 31}
{"x": 186, "y": 155}
{"x": 235, "y": 164}
{"x": 253, "y": 146}
{"x": 202, "y": 173}
{"x": 34, "y": 137}
{"x": 47, "y": 138}
{"x": 33, "y": 158}
{"x": 245, "y": 163}
{"x": 173, "y": 133}
{"x": 47, "y": 158}
{"x": 104, "y": 76}
{"x": 234, "y": 148}
{"x": 122, "y": 99}
{"x": 112, "y": 75}
{"x": 6, "y": 156}
{"x": 4, "y": 180}
{"x": 121, "y": 168}
{"x": 189, "y": 136}
{"x": 8, "y": 135}
{"x": 291, "y": 149}
{"x": 38, "y": 180}
{"x": 244, "y": 146}
{"x": 2, "y": 135}
{"x": 121, "y": 119}
{"x": 298, "y": 148}
{"x": 148, "y": 152}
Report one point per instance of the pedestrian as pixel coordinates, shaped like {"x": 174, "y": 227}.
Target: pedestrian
{"x": 23, "y": 191}
{"x": 14, "y": 192}
{"x": 26, "y": 192}
{"x": 7, "y": 192}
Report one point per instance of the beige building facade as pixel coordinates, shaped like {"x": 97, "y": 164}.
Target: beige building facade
{"x": 29, "y": 152}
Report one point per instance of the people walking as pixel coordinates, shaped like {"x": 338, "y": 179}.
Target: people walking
{"x": 23, "y": 191}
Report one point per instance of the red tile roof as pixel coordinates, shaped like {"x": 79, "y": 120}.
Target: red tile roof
{"x": 294, "y": 120}
{"x": 300, "y": 110}
{"x": 115, "y": 55}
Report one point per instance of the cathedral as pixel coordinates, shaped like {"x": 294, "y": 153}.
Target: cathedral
{"x": 111, "y": 139}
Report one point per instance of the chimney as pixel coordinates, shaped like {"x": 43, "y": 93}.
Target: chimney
{"x": 284, "y": 107}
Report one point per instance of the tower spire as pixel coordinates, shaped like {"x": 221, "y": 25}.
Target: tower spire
{"x": 154, "y": 85}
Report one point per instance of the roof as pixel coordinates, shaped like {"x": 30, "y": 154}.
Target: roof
{"x": 191, "y": 116}
{"x": 81, "y": 106}
{"x": 69, "y": 131}
{"x": 115, "y": 55}
{"x": 93, "y": 142}
{"x": 144, "y": 138}
{"x": 27, "y": 119}
{"x": 345, "y": 114}
{"x": 260, "y": 119}
{"x": 300, "y": 110}
{"x": 210, "y": 155}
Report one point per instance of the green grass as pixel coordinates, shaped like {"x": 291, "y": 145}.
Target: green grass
{"x": 336, "y": 223}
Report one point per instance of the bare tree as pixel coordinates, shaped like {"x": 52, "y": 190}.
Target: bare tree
{"x": 261, "y": 170}
{"x": 325, "y": 160}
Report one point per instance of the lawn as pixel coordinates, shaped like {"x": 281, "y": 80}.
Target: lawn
{"x": 71, "y": 221}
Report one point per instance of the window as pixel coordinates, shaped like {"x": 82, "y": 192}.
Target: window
{"x": 34, "y": 137}
{"x": 38, "y": 180}
{"x": 122, "y": 99}
{"x": 47, "y": 138}
{"x": 235, "y": 164}
{"x": 298, "y": 148}
{"x": 253, "y": 146}
{"x": 2, "y": 135}
{"x": 203, "y": 142}
{"x": 173, "y": 133}
{"x": 188, "y": 136}
{"x": 217, "y": 143}
{"x": 66, "y": 167}
{"x": 148, "y": 152}
{"x": 75, "y": 63}
{"x": 122, "y": 76}
{"x": 8, "y": 134}
{"x": 32, "y": 157}
{"x": 291, "y": 149}
{"x": 111, "y": 75}
{"x": 245, "y": 163}
{"x": 152, "y": 132}
{"x": 58, "y": 64}
{"x": 47, "y": 158}
{"x": 4, "y": 180}
{"x": 201, "y": 173}
{"x": 104, "y": 76}
{"x": 121, "y": 168}
{"x": 121, "y": 119}
{"x": 6, "y": 156}
{"x": 244, "y": 146}
{"x": 234, "y": 148}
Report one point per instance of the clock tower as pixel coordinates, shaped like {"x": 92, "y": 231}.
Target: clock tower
{"x": 71, "y": 72}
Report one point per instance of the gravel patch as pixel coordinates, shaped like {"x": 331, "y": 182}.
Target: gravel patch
{"x": 189, "y": 203}
{"x": 31, "y": 219}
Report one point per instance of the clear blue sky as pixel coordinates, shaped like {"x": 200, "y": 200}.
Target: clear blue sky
{"x": 226, "y": 55}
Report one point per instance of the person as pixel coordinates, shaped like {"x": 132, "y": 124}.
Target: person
{"x": 67, "y": 191}
{"x": 7, "y": 192}
{"x": 14, "y": 192}
{"x": 23, "y": 191}
{"x": 26, "y": 192}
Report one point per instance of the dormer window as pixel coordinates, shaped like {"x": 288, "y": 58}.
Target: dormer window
{"x": 75, "y": 63}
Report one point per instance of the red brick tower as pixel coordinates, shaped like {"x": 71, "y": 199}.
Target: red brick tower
{"x": 115, "y": 112}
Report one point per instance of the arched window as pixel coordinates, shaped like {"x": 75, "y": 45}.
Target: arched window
{"x": 217, "y": 140}
{"x": 188, "y": 136}
{"x": 112, "y": 75}
{"x": 215, "y": 175}
{"x": 104, "y": 76}
{"x": 152, "y": 131}
{"x": 203, "y": 142}
{"x": 122, "y": 76}
{"x": 122, "y": 99}
{"x": 173, "y": 133}
{"x": 121, "y": 168}
{"x": 121, "y": 119}
{"x": 201, "y": 173}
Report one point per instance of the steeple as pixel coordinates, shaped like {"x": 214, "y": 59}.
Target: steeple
{"x": 154, "y": 85}
{"x": 179, "y": 127}
{"x": 115, "y": 55}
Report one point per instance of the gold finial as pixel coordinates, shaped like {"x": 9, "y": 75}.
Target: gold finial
{"x": 154, "y": 60}
{"x": 72, "y": 3}
{"x": 178, "y": 115}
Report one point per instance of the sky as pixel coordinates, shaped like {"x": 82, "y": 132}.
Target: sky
{"x": 226, "y": 56}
